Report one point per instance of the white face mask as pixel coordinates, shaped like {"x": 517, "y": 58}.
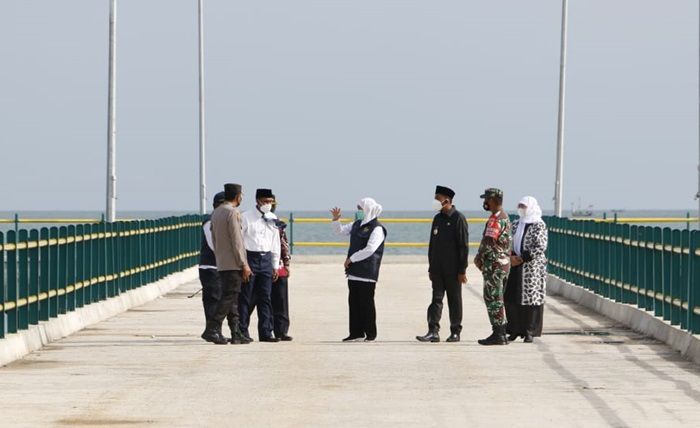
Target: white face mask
{"x": 266, "y": 208}
{"x": 437, "y": 205}
{"x": 522, "y": 212}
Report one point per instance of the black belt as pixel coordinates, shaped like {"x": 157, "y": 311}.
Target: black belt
{"x": 258, "y": 253}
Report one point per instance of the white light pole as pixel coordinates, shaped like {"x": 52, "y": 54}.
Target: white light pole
{"x": 558, "y": 184}
{"x": 111, "y": 124}
{"x": 202, "y": 152}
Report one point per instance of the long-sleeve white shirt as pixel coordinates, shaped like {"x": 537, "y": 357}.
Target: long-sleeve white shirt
{"x": 206, "y": 228}
{"x": 261, "y": 235}
{"x": 375, "y": 241}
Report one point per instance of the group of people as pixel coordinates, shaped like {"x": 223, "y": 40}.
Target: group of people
{"x": 511, "y": 259}
{"x": 246, "y": 257}
{"x": 245, "y": 265}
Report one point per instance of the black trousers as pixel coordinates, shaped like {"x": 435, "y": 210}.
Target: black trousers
{"x": 231, "y": 281}
{"x": 523, "y": 319}
{"x": 280, "y": 306}
{"x": 257, "y": 293}
{"x": 211, "y": 291}
{"x": 363, "y": 314}
{"x": 445, "y": 283}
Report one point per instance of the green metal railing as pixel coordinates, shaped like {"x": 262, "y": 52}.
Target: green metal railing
{"x": 657, "y": 269}
{"x": 52, "y": 271}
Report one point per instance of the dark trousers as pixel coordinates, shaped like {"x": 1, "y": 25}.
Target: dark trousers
{"x": 280, "y": 306}
{"x": 257, "y": 293}
{"x": 363, "y": 314}
{"x": 445, "y": 283}
{"x": 211, "y": 291}
{"x": 227, "y": 307}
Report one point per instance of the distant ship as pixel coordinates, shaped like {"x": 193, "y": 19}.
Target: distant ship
{"x": 579, "y": 212}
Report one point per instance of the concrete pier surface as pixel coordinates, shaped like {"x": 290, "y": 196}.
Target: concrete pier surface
{"x": 148, "y": 367}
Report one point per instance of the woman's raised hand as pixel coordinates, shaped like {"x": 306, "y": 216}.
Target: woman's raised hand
{"x": 336, "y": 213}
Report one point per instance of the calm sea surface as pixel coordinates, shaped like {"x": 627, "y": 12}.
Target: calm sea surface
{"x": 320, "y": 232}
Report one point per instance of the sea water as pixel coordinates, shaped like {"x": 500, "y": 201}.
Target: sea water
{"x": 323, "y": 232}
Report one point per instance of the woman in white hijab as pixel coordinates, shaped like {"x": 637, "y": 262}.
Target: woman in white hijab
{"x": 362, "y": 265}
{"x": 526, "y": 288}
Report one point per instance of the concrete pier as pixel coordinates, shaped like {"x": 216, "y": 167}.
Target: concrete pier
{"x": 148, "y": 367}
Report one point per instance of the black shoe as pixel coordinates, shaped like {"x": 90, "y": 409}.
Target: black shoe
{"x": 237, "y": 337}
{"x": 513, "y": 337}
{"x": 369, "y": 339}
{"x": 352, "y": 338}
{"x": 498, "y": 337}
{"x": 213, "y": 334}
{"x": 285, "y": 338}
{"x": 269, "y": 339}
{"x": 432, "y": 336}
{"x": 528, "y": 338}
{"x": 454, "y": 337}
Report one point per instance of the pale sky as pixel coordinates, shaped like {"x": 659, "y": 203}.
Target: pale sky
{"x": 329, "y": 101}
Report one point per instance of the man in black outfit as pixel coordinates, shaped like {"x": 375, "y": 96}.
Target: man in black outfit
{"x": 448, "y": 256}
{"x": 208, "y": 276}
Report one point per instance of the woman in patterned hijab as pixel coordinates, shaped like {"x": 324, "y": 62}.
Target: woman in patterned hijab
{"x": 526, "y": 288}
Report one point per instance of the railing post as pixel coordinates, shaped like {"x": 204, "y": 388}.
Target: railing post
{"x": 62, "y": 270}
{"x": 22, "y": 281}
{"x": 685, "y": 266}
{"x": 694, "y": 284}
{"x": 80, "y": 265}
{"x": 291, "y": 232}
{"x": 11, "y": 294}
{"x": 34, "y": 277}
{"x": 70, "y": 269}
{"x": 2, "y": 285}
{"x": 44, "y": 275}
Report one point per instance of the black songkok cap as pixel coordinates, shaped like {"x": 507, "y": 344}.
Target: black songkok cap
{"x": 263, "y": 193}
{"x": 231, "y": 191}
{"x": 219, "y": 198}
{"x": 445, "y": 191}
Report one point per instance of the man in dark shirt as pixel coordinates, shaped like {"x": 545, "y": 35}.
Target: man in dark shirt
{"x": 448, "y": 255}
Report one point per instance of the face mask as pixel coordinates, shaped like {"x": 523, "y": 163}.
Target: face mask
{"x": 266, "y": 208}
{"x": 360, "y": 215}
{"x": 522, "y": 212}
{"x": 486, "y": 206}
{"x": 437, "y": 205}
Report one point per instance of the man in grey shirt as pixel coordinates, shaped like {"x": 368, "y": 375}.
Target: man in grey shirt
{"x": 232, "y": 264}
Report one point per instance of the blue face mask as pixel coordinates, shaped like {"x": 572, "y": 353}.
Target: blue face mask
{"x": 359, "y": 214}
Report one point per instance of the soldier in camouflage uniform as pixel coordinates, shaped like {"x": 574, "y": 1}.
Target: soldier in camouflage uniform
{"x": 493, "y": 260}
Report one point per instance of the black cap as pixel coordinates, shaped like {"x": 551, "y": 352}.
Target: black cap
{"x": 263, "y": 193}
{"x": 492, "y": 192}
{"x": 219, "y": 198}
{"x": 445, "y": 191}
{"x": 231, "y": 191}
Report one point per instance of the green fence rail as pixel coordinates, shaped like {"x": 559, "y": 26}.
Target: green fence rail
{"x": 52, "y": 271}
{"x": 657, "y": 269}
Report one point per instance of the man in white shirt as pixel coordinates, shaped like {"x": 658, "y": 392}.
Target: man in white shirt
{"x": 263, "y": 247}
{"x": 367, "y": 237}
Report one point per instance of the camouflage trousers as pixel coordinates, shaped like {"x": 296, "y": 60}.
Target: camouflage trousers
{"x": 494, "y": 288}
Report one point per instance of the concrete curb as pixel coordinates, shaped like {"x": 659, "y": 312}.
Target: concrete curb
{"x": 637, "y": 319}
{"x": 16, "y": 346}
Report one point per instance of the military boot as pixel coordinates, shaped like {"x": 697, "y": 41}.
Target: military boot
{"x": 431, "y": 336}
{"x": 213, "y": 333}
{"x": 237, "y": 336}
{"x": 498, "y": 337}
